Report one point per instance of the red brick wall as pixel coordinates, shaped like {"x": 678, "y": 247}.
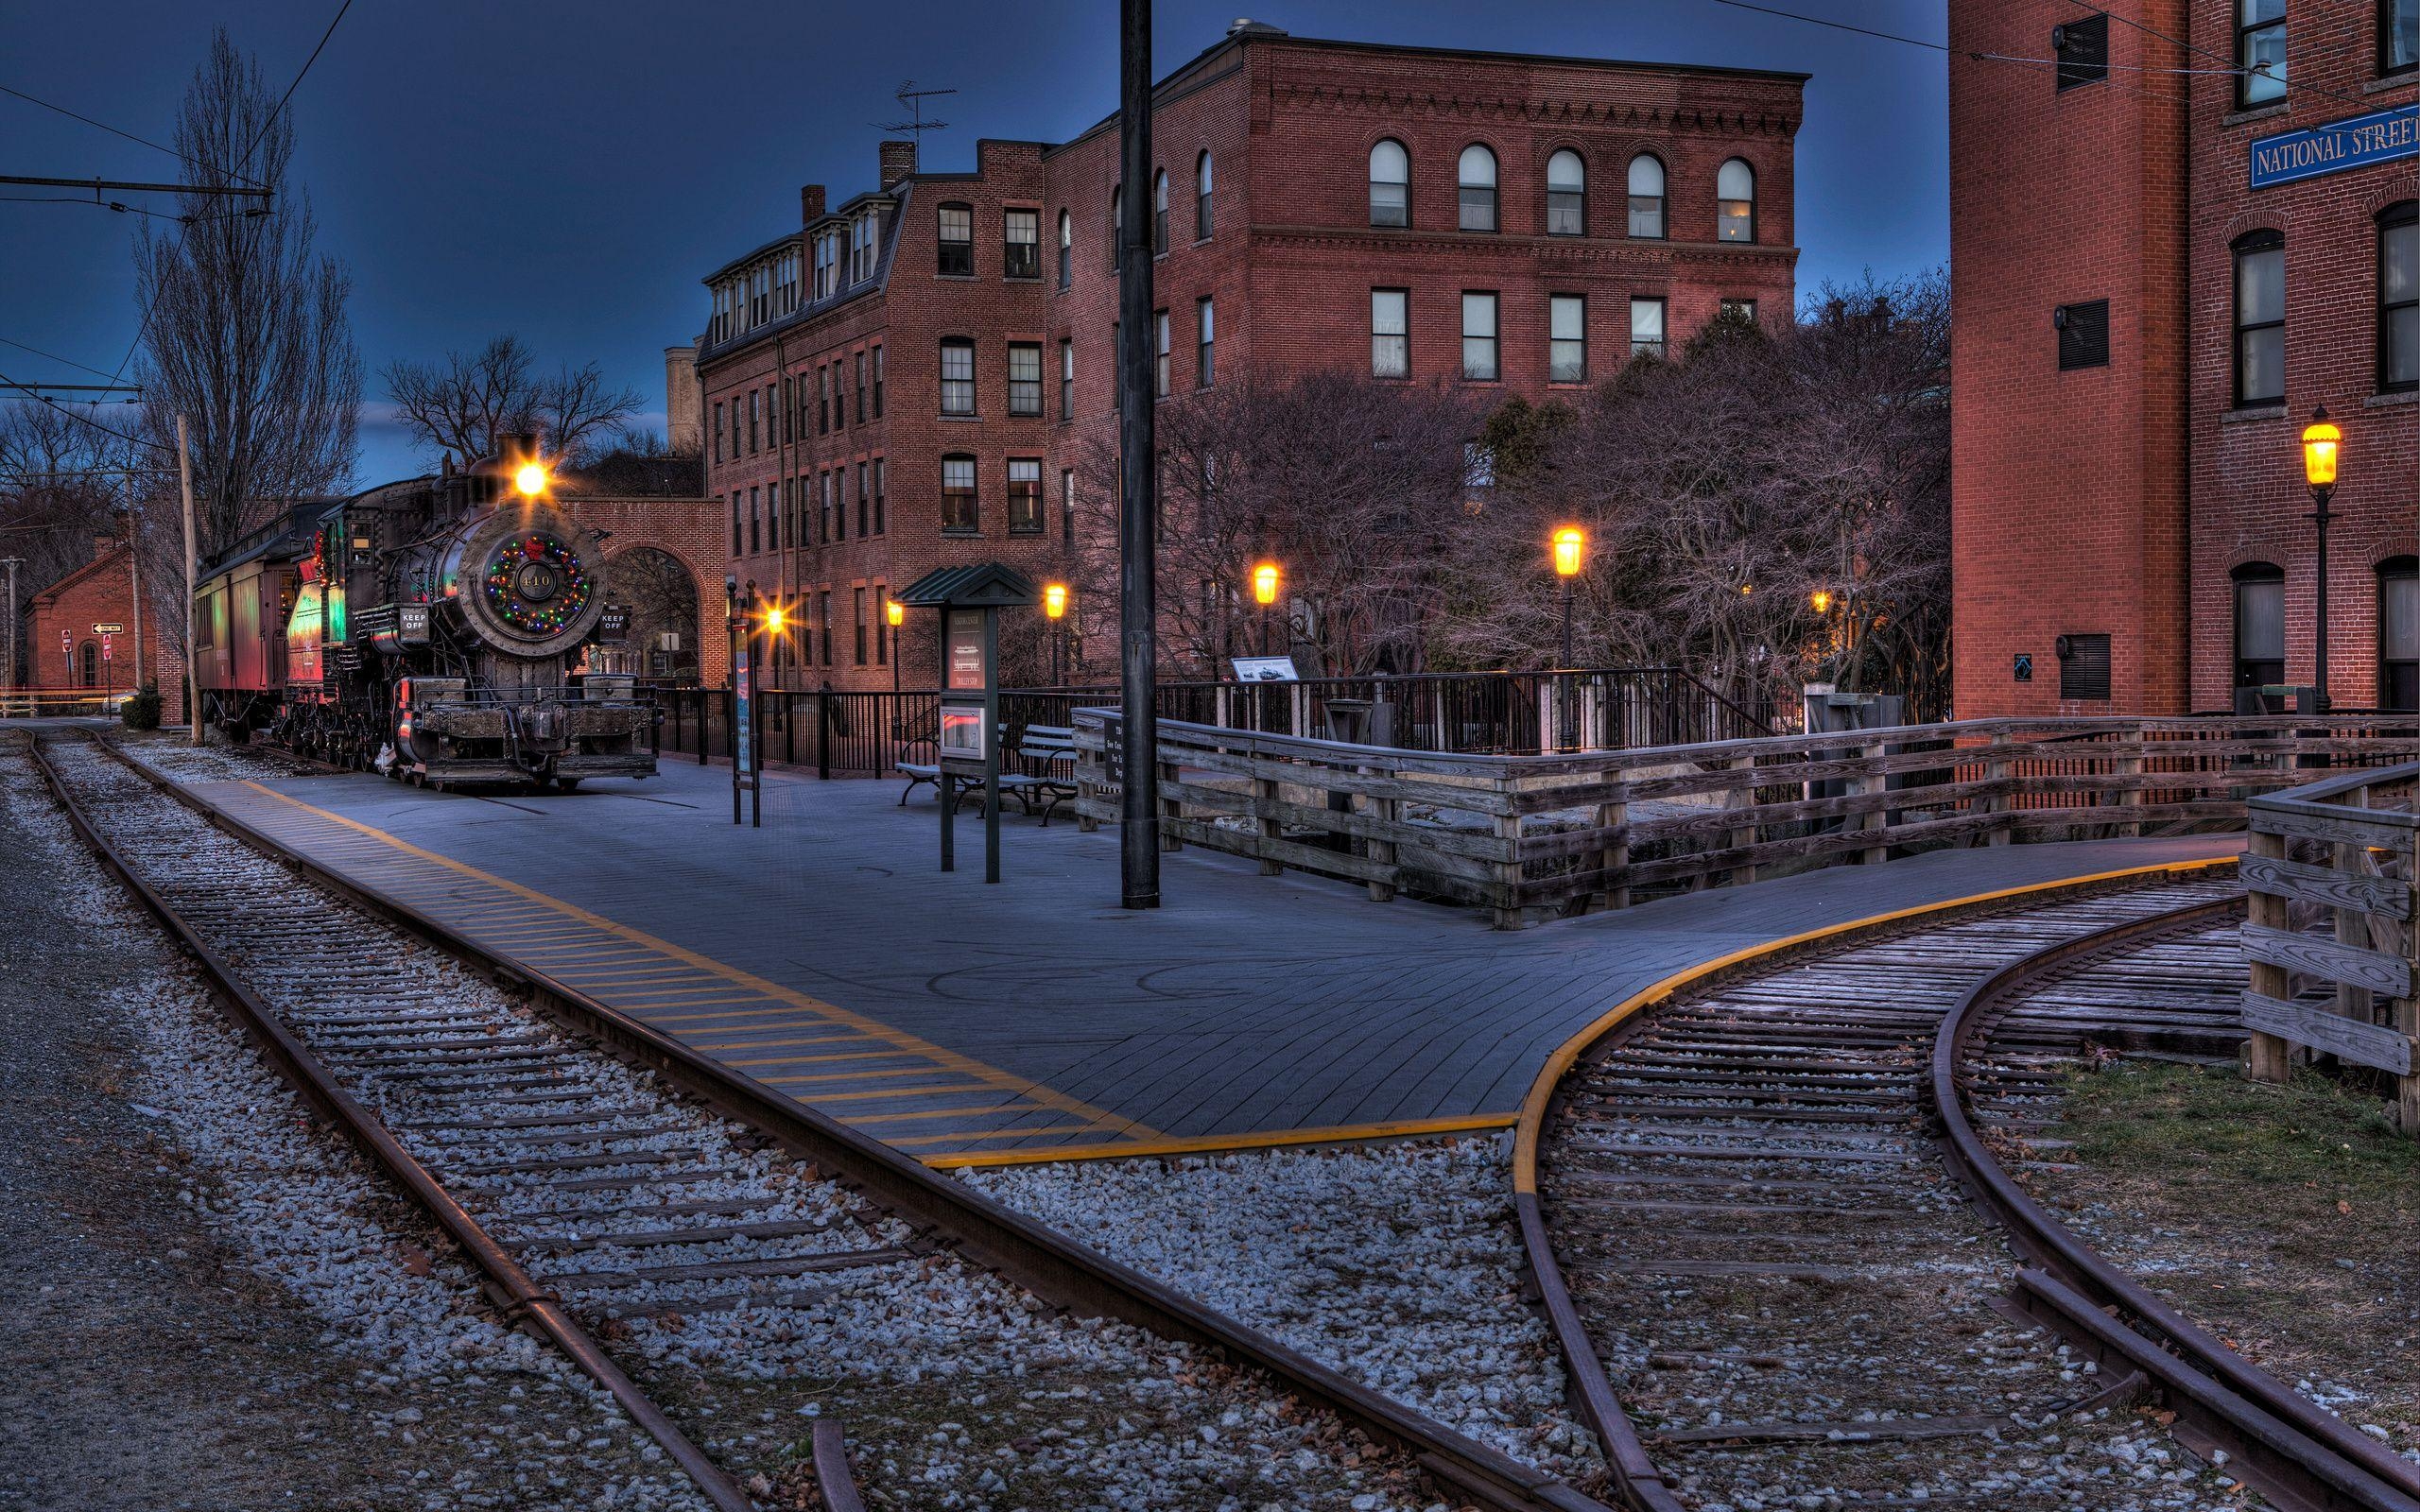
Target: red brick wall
{"x": 2119, "y": 499}
{"x": 691, "y": 530}
{"x": 100, "y": 593}
{"x": 1289, "y": 267}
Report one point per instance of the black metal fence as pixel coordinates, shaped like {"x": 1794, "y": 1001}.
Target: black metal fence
{"x": 862, "y": 734}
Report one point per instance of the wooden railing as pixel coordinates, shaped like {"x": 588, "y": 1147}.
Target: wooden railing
{"x": 1519, "y": 834}
{"x": 38, "y": 703}
{"x": 2330, "y": 935}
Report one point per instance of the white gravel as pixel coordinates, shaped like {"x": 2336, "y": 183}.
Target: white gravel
{"x": 1399, "y": 1265}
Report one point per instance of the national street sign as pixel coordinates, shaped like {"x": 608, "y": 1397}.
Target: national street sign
{"x": 110, "y": 629}
{"x": 2355, "y": 142}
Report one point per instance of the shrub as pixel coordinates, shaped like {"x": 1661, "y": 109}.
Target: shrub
{"x": 140, "y": 709}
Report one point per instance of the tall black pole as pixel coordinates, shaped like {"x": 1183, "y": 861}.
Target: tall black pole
{"x": 1140, "y": 813}
{"x": 2319, "y": 519}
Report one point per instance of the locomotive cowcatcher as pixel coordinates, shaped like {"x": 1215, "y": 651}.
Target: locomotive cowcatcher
{"x": 429, "y": 629}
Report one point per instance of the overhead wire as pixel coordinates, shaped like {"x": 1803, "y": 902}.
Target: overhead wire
{"x": 140, "y": 141}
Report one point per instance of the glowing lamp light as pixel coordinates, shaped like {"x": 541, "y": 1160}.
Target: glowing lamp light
{"x": 1054, "y": 600}
{"x": 1822, "y": 599}
{"x": 2320, "y": 442}
{"x": 895, "y": 612}
{"x": 1570, "y": 546}
{"x": 776, "y": 619}
{"x": 1264, "y": 584}
{"x": 530, "y": 480}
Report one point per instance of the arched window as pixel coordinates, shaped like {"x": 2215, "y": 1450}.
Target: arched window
{"x": 92, "y": 659}
{"x": 1476, "y": 188}
{"x": 1390, "y": 184}
{"x": 1160, "y": 213}
{"x": 1735, "y": 196}
{"x": 1202, "y": 197}
{"x": 1566, "y": 195}
{"x": 1117, "y": 226}
{"x": 1647, "y": 196}
{"x": 2259, "y": 625}
{"x": 2399, "y": 297}
{"x": 956, "y": 240}
{"x": 2259, "y": 319}
{"x": 1066, "y": 249}
{"x": 2399, "y": 634}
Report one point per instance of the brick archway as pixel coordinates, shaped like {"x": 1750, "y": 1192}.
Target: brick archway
{"x": 684, "y": 529}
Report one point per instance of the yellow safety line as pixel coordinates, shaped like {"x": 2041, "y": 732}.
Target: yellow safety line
{"x": 820, "y": 1098}
{"x": 1533, "y": 1108}
{"x": 994, "y": 1134}
{"x": 851, "y": 1075}
{"x": 853, "y": 1054}
{"x": 1216, "y": 1143}
{"x": 966, "y": 1065}
{"x": 773, "y": 1044}
{"x": 725, "y": 1013}
{"x": 930, "y": 1113}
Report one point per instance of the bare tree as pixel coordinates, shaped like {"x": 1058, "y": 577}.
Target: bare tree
{"x": 65, "y": 481}
{"x": 244, "y": 331}
{"x": 461, "y": 404}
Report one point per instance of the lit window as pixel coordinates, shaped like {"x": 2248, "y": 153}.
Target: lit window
{"x": 1025, "y": 496}
{"x": 1647, "y": 328}
{"x": 1566, "y": 195}
{"x": 1025, "y": 378}
{"x": 1647, "y": 197}
{"x": 1735, "y": 192}
{"x": 2260, "y": 318}
{"x": 1476, "y": 185}
{"x": 2261, "y": 52}
{"x": 1390, "y": 184}
{"x": 1567, "y": 339}
{"x": 1390, "y": 334}
{"x": 960, "y": 515}
{"x": 958, "y": 240}
{"x": 1021, "y": 244}
{"x": 958, "y": 377}
{"x": 1478, "y": 337}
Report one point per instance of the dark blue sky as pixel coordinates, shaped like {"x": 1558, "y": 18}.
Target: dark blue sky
{"x": 568, "y": 171}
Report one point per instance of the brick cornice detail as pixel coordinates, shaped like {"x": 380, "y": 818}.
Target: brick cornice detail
{"x": 1397, "y": 102}
{"x": 1550, "y": 250}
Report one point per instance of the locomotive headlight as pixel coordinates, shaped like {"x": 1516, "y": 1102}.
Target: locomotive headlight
{"x": 530, "y": 480}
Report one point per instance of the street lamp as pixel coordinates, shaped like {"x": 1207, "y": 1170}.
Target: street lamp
{"x": 1054, "y": 608}
{"x": 1264, "y": 592}
{"x": 895, "y": 615}
{"x": 2321, "y": 441}
{"x": 1821, "y": 600}
{"x": 1570, "y": 551}
{"x": 531, "y": 480}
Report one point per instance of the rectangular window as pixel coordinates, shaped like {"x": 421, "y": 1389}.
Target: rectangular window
{"x": 2259, "y": 52}
{"x": 1025, "y": 496}
{"x": 1067, "y": 504}
{"x": 959, "y": 516}
{"x": 717, "y": 430}
{"x": 2259, "y": 320}
{"x": 1204, "y": 367}
{"x": 839, "y": 399}
{"x": 2082, "y": 48}
{"x": 823, "y": 618}
{"x": 1025, "y": 378}
{"x": 863, "y": 502}
{"x": 2398, "y": 36}
{"x": 773, "y": 515}
{"x": 2260, "y": 626}
{"x": 958, "y": 240}
{"x": 738, "y": 540}
{"x": 1647, "y": 328}
{"x": 2399, "y": 636}
{"x": 860, "y": 362}
{"x": 1567, "y": 339}
{"x": 858, "y": 597}
{"x": 841, "y": 504}
{"x": 1021, "y": 244}
{"x": 2399, "y": 297}
{"x": 1160, "y": 353}
{"x": 878, "y": 383}
{"x": 2084, "y": 334}
{"x": 881, "y": 624}
{"x": 756, "y": 537}
{"x": 2084, "y": 671}
{"x": 958, "y": 377}
{"x": 1740, "y": 310}
{"x": 755, "y": 402}
{"x": 880, "y": 495}
{"x": 1478, "y": 337}
{"x": 823, "y": 508}
{"x": 822, "y": 401}
{"x": 1067, "y": 380}
{"x": 1390, "y": 334}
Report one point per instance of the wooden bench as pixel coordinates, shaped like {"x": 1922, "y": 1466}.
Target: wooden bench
{"x": 1043, "y": 778}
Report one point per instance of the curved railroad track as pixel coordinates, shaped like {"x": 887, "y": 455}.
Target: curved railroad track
{"x": 1743, "y": 1203}
{"x": 599, "y": 1173}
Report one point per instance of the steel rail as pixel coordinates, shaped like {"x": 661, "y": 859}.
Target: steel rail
{"x": 1060, "y": 1270}
{"x": 521, "y": 1296}
{"x": 2297, "y": 1453}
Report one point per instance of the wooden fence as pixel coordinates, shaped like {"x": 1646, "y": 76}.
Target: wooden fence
{"x": 2329, "y": 934}
{"x": 1522, "y": 834}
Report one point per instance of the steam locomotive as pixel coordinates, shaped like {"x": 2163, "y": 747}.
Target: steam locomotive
{"x": 429, "y": 629}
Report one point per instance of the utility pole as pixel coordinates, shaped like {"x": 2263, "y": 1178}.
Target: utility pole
{"x": 193, "y": 670}
{"x": 134, "y": 580}
{"x": 9, "y": 679}
{"x": 1139, "y": 810}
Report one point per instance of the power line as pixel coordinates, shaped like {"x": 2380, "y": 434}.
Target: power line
{"x": 6, "y": 382}
{"x": 53, "y": 356}
{"x": 18, "y": 93}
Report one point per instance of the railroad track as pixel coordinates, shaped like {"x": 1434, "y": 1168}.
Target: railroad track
{"x": 603, "y": 1176}
{"x": 1745, "y": 1199}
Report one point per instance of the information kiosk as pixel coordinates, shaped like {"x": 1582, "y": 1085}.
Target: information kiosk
{"x": 968, "y": 601}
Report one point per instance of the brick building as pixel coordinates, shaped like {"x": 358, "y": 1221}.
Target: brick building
{"x": 2159, "y": 268}
{"x": 67, "y": 647}
{"x": 908, "y": 379}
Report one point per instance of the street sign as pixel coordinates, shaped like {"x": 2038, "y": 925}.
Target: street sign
{"x": 110, "y": 629}
{"x": 104, "y": 648}
{"x": 2024, "y": 666}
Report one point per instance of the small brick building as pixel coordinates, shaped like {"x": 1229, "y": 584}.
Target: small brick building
{"x": 2146, "y": 320}
{"x": 68, "y": 644}
{"x": 910, "y": 378}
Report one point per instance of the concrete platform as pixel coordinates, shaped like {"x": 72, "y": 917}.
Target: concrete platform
{"x": 825, "y": 956}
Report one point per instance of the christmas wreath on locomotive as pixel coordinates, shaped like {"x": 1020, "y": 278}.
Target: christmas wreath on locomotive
{"x": 429, "y": 629}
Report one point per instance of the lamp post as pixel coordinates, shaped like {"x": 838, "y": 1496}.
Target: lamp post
{"x": 895, "y": 614}
{"x": 1570, "y": 552}
{"x": 1265, "y": 579}
{"x": 2320, "y": 439}
{"x": 1054, "y": 608}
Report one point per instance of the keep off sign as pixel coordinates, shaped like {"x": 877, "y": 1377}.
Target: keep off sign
{"x": 105, "y": 649}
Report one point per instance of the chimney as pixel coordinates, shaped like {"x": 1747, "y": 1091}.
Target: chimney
{"x": 810, "y": 204}
{"x": 103, "y": 546}
{"x": 898, "y": 162}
